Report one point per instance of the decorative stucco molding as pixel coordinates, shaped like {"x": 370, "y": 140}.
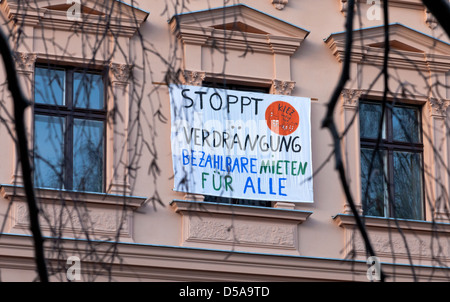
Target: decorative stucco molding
{"x": 404, "y": 240}
{"x": 240, "y": 227}
{"x": 155, "y": 262}
{"x": 279, "y": 4}
{"x": 25, "y": 61}
{"x": 438, "y": 107}
{"x": 408, "y": 47}
{"x": 282, "y": 87}
{"x": 123, "y": 19}
{"x": 101, "y": 216}
{"x": 194, "y": 78}
{"x": 250, "y": 233}
{"x": 120, "y": 73}
{"x": 101, "y": 224}
{"x": 238, "y": 30}
{"x": 351, "y": 97}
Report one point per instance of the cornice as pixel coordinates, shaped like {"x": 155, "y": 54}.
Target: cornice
{"x": 203, "y": 28}
{"x": 239, "y": 12}
{"x": 162, "y": 262}
{"x": 192, "y": 207}
{"x": 253, "y": 42}
{"x": 125, "y": 24}
{"x": 348, "y": 221}
{"x": 433, "y": 55}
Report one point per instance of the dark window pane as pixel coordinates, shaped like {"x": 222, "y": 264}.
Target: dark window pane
{"x": 49, "y": 86}
{"x": 88, "y": 155}
{"x": 223, "y": 85}
{"x": 88, "y": 90}
{"x": 49, "y": 147}
{"x": 257, "y": 203}
{"x": 408, "y": 185}
{"x": 370, "y": 116}
{"x": 405, "y": 124}
{"x": 373, "y": 184}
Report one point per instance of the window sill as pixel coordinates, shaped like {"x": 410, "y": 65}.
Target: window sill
{"x": 17, "y": 193}
{"x": 240, "y": 227}
{"x": 73, "y": 214}
{"x": 397, "y": 240}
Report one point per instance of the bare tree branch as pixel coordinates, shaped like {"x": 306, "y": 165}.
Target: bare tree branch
{"x": 329, "y": 123}
{"x": 20, "y": 104}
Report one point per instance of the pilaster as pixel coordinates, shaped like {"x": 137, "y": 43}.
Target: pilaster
{"x": 25, "y": 63}
{"x": 350, "y": 103}
{"x": 117, "y": 138}
{"x": 437, "y": 110}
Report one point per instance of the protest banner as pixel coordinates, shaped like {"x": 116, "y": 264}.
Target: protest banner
{"x": 239, "y": 144}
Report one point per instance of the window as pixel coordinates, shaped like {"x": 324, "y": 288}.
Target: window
{"x": 391, "y": 160}
{"x": 69, "y": 129}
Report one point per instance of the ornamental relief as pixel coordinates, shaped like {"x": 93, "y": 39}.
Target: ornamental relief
{"x": 193, "y": 78}
{"x": 25, "y": 61}
{"x": 103, "y": 222}
{"x": 120, "y": 72}
{"x": 239, "y": 232}
{"x": 438, "y": 107}
{"x": 282, "y": 87}
{"x": 351, "y": 97}
{"x": 391, "y": 244}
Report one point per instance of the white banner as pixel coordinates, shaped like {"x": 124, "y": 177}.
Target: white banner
{"x": 241, "y": 145}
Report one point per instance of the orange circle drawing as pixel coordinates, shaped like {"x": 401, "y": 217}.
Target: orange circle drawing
{"x": 282, "y": 118}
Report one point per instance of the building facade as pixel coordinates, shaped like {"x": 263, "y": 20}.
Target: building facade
{"x": 99, "y": 75}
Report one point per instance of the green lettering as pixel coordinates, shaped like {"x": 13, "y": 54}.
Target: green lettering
{"x": 279, "y": 167}
{"x": 228, "y": 181}
{"x": 302, "y": 168}
{"x": 203, "y": 179}
{"x": 264, "y": 167}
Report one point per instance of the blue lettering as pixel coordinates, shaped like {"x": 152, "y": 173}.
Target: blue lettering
{"x": 249, "y": 184}
{"x": 244, "y": 163}
{"x": 236, "y": 164}
{"x": 216, "y": 162}
{"x": 185, "y": 157}
{"x": 193, "y": 159}
{"x": 253, "y": 165}
{"x": 271, "y": 186}
{"x": 202, "y": 159}
{"x": 259, "y": 186}
{"x": 281, "y": 186}
{"x": 208, "y": 160}
{"x": 221, "y": 164}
